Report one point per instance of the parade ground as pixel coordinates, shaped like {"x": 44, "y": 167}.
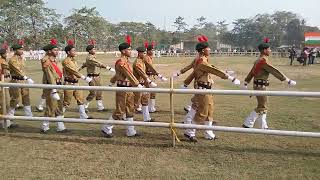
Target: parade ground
{"x": 83, "y": 153}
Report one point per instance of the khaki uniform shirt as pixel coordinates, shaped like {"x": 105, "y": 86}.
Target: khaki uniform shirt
{"x": 139, "y": 71}
{"x": 92, "y": 64}
{"x": 17, "y": 66}
{"x": 71, "y": 69}
{"x": 261, "y": 70}
{"x": 150, "y": 70}
{"x": 50, "y": 75}
{"x": 4, "y": 67}
{"x": 203, "y": 70}
{"x": 124, "y": 73}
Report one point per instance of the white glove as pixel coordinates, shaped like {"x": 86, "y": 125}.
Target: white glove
{"x": 291, "y": 82}
{"x": 176, "y": 74}
{"x": 30, "y": 81}
{"x": 244, "y": 86}
{"x": 183, "y": 86}
{"x": 234, "y": 80}
{"x": 162, "y": 78}
{"x": 153, "y": 84}
{"x": 230, "y": 72}
{"x": 87, "y": 79}
{"x": 55, "y": 95}
{"x": 139, "y": 86}
{"x": 111, "y": 69}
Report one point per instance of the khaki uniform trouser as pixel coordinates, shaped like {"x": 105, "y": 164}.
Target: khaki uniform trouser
{"x": 194, "y": 102}
{"x": 96, "y": 81}
{"x": 205, "y": 108}
{"x": 141, "y": 98}
{"x": 77, "y": 94}
{"x": 15, "y": 94}
{"x": 124, "y": 105}
{"x": 54, "y": 108}
{"x": 43, "y": 96}
{"x": 262, "y": 100}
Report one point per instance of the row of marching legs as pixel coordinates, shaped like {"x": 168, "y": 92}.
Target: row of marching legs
{"x": 253, "y": 117}
{"x": 259, "y": 118}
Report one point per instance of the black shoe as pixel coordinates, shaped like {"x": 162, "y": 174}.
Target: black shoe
{"x": 13, "y": 126}
{"x": 136, "y": 135}
{"x": 64, "y": 131}
{"x": 19, "y": 107}
{"x": 43, "y": 131}
{"x": 214, "y": 122}
{"x": 102, "y": 110}
{"x": 89, "y": 117}
{"x": 39, "y": 110}
{"x": 186, "y": 110}
{"x": 191, "y": 139}
{"x": 106, "y": 135}
{"x": 138, "y": 112}
{"x": 212, "y": 139}
{"x": 244, "y": 126}
{"x": 151, "y": 120}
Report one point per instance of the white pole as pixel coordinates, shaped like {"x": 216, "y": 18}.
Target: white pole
{"x": 168, "y": 125}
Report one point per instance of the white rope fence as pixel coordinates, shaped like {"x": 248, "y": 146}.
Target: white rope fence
{"x": 169, "y": 125}
{"x": 170, "y": 91}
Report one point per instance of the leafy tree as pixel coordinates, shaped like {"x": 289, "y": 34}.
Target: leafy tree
{"x": 26, "y": 19}
{"x": 86, "y": 23}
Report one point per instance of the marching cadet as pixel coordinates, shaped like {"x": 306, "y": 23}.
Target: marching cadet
{"x": 71, "y": 77}
{"x": 18, "y": 75}
{"x": 124, "y": 100}
{"x": 4, "y": 71}
{"x": 52, "y": 74}
{"x": 139, "y": 71}
{"x": 151, "y": 72}
{"x": 42, "y": 102}
{"x": 203, "y": 80}
{"x": 92, "y": 64}
{"x": 187, "y": 108}
{"x": 260, "y": 74}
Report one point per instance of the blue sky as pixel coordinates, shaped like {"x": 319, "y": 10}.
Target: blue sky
{"x": 163, "y": 12}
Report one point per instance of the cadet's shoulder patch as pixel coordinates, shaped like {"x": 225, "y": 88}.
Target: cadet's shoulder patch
{"x": 45, "y": 62}
{"x": 90, "y": 57}
{"x": 120, "y": 62}
{"x": 262, "y": 61}
{"x": 139, "y": 64}
{"x": 198, "y": 61}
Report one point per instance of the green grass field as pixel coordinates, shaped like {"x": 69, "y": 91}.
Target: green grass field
{"x": 84, "y": 154}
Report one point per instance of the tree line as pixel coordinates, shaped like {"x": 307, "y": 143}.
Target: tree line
{"x": 36, "y": 24}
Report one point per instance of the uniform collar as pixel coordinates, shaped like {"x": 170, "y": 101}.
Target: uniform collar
{"x": 125, "y": 58}
{"x": 51, "y": 58}
{"x": 18, "y": 56}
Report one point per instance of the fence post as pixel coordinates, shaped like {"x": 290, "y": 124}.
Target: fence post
{"x": 172, "y": 113}
{"x": 4, "y": 105}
